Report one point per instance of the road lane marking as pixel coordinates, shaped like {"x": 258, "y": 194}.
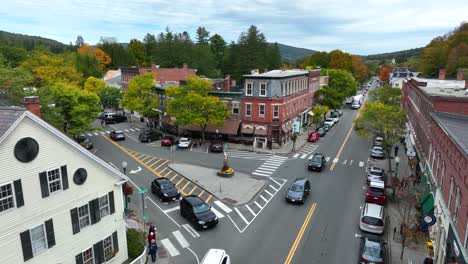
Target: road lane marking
{"x": 335, "y": 160}
{"x": 179, "y": 181}
{"x": 217, "y": 213}
{"x": 108, "y": 132}
{"x": 300, "y": 234}
{"x": 266, "y": 201}
{"x": 190, "y": 230}
{"x": 137, "y": 129}
{"x": 224, "y": 207}
{"x": 241, "y": 216}
{"x": 327, "y": 159}
{"x": 268, "y": 193}
{"x": 181, "y": 239}
{"x": 175, "y": 208}
{"x": 303, "y": 156}
{"x": 89, "y": 134}
{"x": 209, "y": 198}
{"x": 193, "y": 189}
{"x": 351, "y": 162}
{"x": 344, "y": 162}
{"x": 172, "y": 250}
{"x": 268, "y": 169}
{"x": 361, "y": 163}
{"x": 250, "y": 210}
{"x": 269, "y": 166}
{"x": 169, "y": 172}
{"x": 131, "y": 129}
{"x": 154, "y": 163}
{"x": 273, "y": 188}
{"x": 258, "y": 205}
{"x": 201, "y": 193}
{"x": 263, "y": 171}
{"x": 185, "y": 186}
{"x": 163, "y": 170}
{"x": 261, "y": 174}
{"x": 278, "y": 158}
{"x": 166, "y": 161}
{"x": 150, "y": 160}
{"x": 296, "y": 155}
{"x": 275, "y": 181}
{"x": 102, "y": 133}
{"x": 342, "y": 146}
{"x": 175, "y": 176}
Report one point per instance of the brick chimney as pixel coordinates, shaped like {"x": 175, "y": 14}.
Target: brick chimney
{"x": 442, "y": 74}
{"x": 185, "y": 67}
{"x": 228, "y": 83}
{"x": 32, "y": 104}
{"x": 460, "y": 75}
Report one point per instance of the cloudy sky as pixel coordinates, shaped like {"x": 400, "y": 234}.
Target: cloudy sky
{"x": 355, "y": 26}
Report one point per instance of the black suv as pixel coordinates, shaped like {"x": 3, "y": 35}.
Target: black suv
{"x": 298, "y": 191}
{"x": 149, "y": 135}
{"x": 165, "y": 189}
{"x": 84, "y": 141}
{"x": 317, "y": 162}
{"x": 196, "y": 211}
{"x": 216, "y": 146}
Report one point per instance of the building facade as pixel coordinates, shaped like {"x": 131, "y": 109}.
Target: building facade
{"x": 437, "y": 113}
{"x": 59, "y": 202}
{"x": 277, "y": 103}
{"x": 161, "y": 75}
{"x": 399, "y": 74}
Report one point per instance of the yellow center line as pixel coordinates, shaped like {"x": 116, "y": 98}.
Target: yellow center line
{"x": 300, "y": 234}
{"x": 179, "y": 181}
{"x": 193, "y": 189}
{"x": 209, "y": 198}
{"x": 342, "y": 147}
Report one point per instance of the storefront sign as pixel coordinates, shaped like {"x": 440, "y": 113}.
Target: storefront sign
{"x": 453, "y": 249}
{"x": 429, "y": 219}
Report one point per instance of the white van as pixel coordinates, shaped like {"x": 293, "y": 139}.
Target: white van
{"x": 216, "y": 256}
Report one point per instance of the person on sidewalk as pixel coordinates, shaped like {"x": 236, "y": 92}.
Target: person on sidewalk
{"x": 153, "y": 250}
{"x": 396, "y": 150}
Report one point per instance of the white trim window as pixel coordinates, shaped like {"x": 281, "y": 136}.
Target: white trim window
{"x": 7, "y": 197}
{"x": 88, "y": 256}
{"x": 38, "y": 239}
{"x": 263, "y": 89}
{"x": 248, "y": 109}
{"x": 261, "y": 110}
{"x": 235, "y": 108}
{"x": 54, "y": 180}
{"x": 83, "y": 216}
{"x": 104, "y": 208}
{"x": 275, "y": 111}
{"x": 248, "y": 88}
{"x": 108, "y": 246}
{"x": 457, "y": 206}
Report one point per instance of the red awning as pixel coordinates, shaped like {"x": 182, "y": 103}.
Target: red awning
{"x": 261, "y": 130}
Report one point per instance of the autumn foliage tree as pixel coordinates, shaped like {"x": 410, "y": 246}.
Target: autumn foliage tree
{"x": 384, "y": 73}
{"x": 102, "y": 57}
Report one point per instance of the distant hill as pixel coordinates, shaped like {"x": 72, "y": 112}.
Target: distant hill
{"x": 399, "y": 56}
{"x": 290, "y": 53}
{"x": 30, "y": 42}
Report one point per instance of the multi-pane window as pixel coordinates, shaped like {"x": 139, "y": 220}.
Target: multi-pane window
{"x": 248, "y": 109}
{"x": 83, "y": 216}
{"x": 108, "y": 248}
{"x": 235, "y": 108}
{"x": 261, "y": 110}
{"x": 88, "y": 257}
{"x": 7, "y": 199}
{"x": 54, "y": 180}
{"x": 104, "y": 205}
{"x": 263, "y": 87}
{"x": 248, "y": 89}
{"x": 276, "y": 111}
{"x": 38, "y": 239}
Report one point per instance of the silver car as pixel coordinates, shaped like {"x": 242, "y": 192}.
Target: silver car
{"x": 372, "y": 218}
{"x": 375, "y": 174}
{"x": 377, "y": 152}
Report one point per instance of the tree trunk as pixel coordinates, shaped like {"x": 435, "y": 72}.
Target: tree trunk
{"x": 202, "y": 128}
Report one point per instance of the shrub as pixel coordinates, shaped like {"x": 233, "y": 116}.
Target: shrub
{"x": 135, "y": 243}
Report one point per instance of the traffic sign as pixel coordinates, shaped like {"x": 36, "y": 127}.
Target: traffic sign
{"x": 142, "y": 191}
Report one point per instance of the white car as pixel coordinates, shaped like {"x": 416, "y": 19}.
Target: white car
{"x": 349, "y": 100}
{"x": 329, "y": 121}
{"x": 184, "y": 143}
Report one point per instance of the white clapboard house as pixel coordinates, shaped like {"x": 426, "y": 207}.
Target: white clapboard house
{"x": 58, "y": 202}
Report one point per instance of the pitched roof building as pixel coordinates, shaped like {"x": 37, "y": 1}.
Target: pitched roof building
{"x": 161, "y": 75}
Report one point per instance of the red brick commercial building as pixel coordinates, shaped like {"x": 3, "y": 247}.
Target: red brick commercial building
{"x": 276, "y": 103}
{"x": 437, "y": 111}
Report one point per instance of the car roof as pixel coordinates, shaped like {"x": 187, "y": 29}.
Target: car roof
{"x": 373, "y": 210}
{"x": 213, "y": 255}
{"x": 118, "y": 131}
{"x": 318, "y": 154}
{"x": 378, "y": 138}
{"x": 376, "y": 169}
{"x": 377, "y": 184}
{"x": 378, "y": 147}
{"x": 193, "y": 200}
{"x": 184, "y": 138}
{"x": 301, "y": 181}
{"x": 162, "y": 179}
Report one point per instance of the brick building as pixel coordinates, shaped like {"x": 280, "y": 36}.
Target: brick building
{"x": 276, "y": 103}
{"x": 162, "y": 75}
{"x": 437, "y": 111}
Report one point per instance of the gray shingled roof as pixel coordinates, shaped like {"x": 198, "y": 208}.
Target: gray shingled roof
{"x": 456, "y": 127}
{"x": 8, "y": 116}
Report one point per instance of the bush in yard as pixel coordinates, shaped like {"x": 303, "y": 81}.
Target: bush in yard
{"x": 135, "y": 243}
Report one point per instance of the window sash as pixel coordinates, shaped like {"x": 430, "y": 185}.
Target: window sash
{"x": 54, "y": 180}
{"x": 88, "y": 256}
{"x": 276, "y": 111}
{"x": 38, "y": 239}
{"x": 261, "y": 110}
{"x": 108, "y": 248}
{"x": 83, "y": 216}
{"x": 248, "y": 90}
{"x": 235, "y": 108}
{"x": 263, "y": 89}
{"x": 7, "y": 197}
{"x": 248, "y": 109}
{"x": 104, "y": 207}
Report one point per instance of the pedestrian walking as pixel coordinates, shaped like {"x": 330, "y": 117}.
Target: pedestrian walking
{"x": 153, "y": 250}
{"x": 396, "y": 150}
{"x": 107, "y": 123}
{"x": 151, "y": 236}
{"x": 394, "y": 232}
{"x": 102, "y": 123}
{"x": 152, "y": 229}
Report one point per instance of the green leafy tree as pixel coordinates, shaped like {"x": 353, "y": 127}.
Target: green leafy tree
{"x": 110, "y": 97}
{"x": 94, "y": 85}
{"x": 330, "y": 97}
{"x": 138, "y": 49}
{"x": 319, "y": 113}
{"x": 151, "y": 45}
{"x": 203, "y": 35}
{"x": 340, "y": 60}
{"x": 388, "y": 121}
{"x": 68, "y": 107}
{"x": 120, "y": 57}
{"x": 13, "y": 56}
{"x": 86, "y": 64}
{"x": 434, "y": 58}
{"x": 12, "y": 82}
{"x": 192, "y": 105}
{"x": 386, "y": 94}
{"x": 317, "y": 59}
{"x": 218, "y": 48}
{"x": 141, "y": 95}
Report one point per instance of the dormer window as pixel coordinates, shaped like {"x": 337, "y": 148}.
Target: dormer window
{"x": 248, "y": 89}
{"x": 263, "y": 88}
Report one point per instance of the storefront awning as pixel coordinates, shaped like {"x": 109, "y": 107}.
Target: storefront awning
{"x": 261, "y": 130}
{"x": 311, "y": 113}
{"x": 284, "y": 128}
{"x": 247, "y": 129}
{"x": 428, "y": 206}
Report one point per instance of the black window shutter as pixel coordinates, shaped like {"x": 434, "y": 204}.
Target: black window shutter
{"x": 115, "y": 241}
{"x": 26, "y": 245}
{"x": 63, "y": 170}
{"x": 44, "y": 185}
{"x": 97, "y": 210}
{"x": 92, "y": 212}
{"x": 79, "y": 258}
{"x": 18, "y": 193}
{"x": 98, "y": 253}
{"x": 111, "y": 202}
{"x": 49, "y": 226}
{"x": 74, "y": 219}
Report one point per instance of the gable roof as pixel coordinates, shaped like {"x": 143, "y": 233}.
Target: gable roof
{"x": 10, "y": 117}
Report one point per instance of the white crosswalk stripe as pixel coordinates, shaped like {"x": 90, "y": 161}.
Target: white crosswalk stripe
{"x": 244, "y": 154}
{"x": 108, "y": 132}
{"x": 102, "y": 133}
{"x": 89, "y": 134}
{"x": 126, "y": 130}
{"x": 224, "y": 207}
{"x": 190, "y": 230}
{"x": 96, "y": 134}
{"x": 181, "y": 239}
{"x": 270, "y": 166}
{"x": 217, "y": 213}
{"x": 305, "y": 151}
{"x": 137, "y": 129}
{"x": 171, "y": 249}
{"x": 131, "y": 129}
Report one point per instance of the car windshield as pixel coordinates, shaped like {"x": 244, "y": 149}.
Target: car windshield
{"x": 320, "y": 130}
{"x": 166, "y": 185}
{"x": 376, "y": 191}
{"x": 372, "y": 250}
{"x": 184, "y": 140}
{"x": 296, "y": 188}
{"x": 372, "y": 221}
{"x": 201, "y": 208}
{"x": 376, "y": 172}
{"x": 316, "y": 159}
{"x": 378, "y": 149}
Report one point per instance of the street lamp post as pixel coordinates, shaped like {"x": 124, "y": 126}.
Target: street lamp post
{"x": 217, "y": 131}
{"x": 124, "y": 167}
{"x": 397, "y": 161}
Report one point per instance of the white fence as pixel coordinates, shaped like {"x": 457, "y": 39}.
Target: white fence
{"x": 140, "y": 259}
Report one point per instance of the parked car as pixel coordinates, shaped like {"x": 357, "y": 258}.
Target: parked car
{"x": 112, "y": 118}
{"x": 84, "y": 141}
{"x": 216, "y": 146}
{"x": 196, "y": 211}
{"x": 216, "y": 256}
{"x": 375, "y": 174}
{"x": 327, "y": 127}
{"x": 329, "y": 121}
{"x": 377, "y": 152}
{"x": 335, "y": 116}
{"x": 349, "y": 100}
{"x": 376, "y": 193}
{"x": 184, "y": 143}
{"x": 117, "y": 135}
{"x": 317, "y": 162}
{"x": 168, "y": 140}
{"x": 372, "y": 250}
{"x": 321, "y": 131}
{"x": 298, "y": 191}
{"x": 372, "y": 218}
{"x": 313, "y": 136}
{"x": 165, "y": 189}
{"x": 149, "y": 135}
{"x": 378, "y": 141}
{"x": 339, "y": 112}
